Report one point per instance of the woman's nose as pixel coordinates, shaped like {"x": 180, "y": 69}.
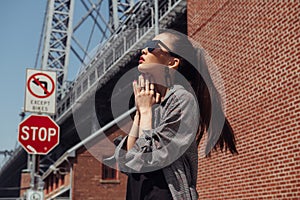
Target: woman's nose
{"x": 144, "y": 50}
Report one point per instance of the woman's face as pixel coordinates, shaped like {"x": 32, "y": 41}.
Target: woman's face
{"x": 154, "y": 62}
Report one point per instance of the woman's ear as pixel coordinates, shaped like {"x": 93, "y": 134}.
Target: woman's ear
{"x": 174, "y": 63}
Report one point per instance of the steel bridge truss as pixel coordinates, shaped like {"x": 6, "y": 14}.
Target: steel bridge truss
{"x": 60, "y": 34}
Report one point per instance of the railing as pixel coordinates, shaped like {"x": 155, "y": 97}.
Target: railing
{"x": 117, "y": 51}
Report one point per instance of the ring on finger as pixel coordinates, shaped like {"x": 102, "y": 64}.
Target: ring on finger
{"x": 151, "y": 86}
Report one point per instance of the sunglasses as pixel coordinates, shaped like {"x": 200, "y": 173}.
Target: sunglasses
{"x": 154, "y": 44}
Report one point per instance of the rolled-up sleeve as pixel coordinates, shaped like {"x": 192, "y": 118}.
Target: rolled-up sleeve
{"x": 162, "y": 145}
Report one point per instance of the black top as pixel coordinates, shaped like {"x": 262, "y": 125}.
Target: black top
{"x": 146, "y": 186}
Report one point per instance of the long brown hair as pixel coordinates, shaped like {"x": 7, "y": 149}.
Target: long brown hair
{"x": 194, "y": 68}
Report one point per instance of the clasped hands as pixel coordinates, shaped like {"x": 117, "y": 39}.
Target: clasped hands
{"x": 145, "y": 94}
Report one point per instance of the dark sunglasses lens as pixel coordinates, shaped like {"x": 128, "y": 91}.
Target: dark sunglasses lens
{"x": 150, "y": 49}
{"x": 151, "y": 45}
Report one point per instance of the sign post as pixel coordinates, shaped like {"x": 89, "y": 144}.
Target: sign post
{"x": 38, "y": 134}
{"x": 40, "y": 93}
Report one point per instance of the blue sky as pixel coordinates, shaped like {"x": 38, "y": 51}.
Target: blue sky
{"x": 21, "y": 23}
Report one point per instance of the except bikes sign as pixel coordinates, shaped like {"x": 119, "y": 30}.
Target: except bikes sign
{"x": 40, "y": 93}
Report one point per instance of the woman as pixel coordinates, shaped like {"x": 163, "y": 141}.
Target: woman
{"x": 160, "y": 152}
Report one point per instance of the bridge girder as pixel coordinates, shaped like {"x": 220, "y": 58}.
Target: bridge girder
{"x": 59, "y": 34}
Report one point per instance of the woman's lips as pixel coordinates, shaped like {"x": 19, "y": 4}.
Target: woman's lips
{"x": 141, "y": 60}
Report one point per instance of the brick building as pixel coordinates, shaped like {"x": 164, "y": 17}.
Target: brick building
{"x": 256, "y": 46}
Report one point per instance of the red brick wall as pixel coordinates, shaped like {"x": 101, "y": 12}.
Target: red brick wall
{"x": 87, "y": 173}
{"x": 87, "y": 180}
{"x": 256, "y": 46}
{"x": 25, "y": 182}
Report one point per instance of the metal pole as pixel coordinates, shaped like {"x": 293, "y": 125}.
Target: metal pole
{"x": 68, "y": 48}
{"x": 131, "y": 3}
{"x": 156, "y": 17}
{"x": 137, "y": 31}
{"x": 124, "y": 43}
{"x": 115, "y": 14}
{"x": 47, "y": 34}
{"x": 28, "y": 161}
{"x": 32, "y": 171}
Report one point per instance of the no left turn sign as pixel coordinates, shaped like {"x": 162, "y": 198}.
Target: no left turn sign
{"x": 40, "y": 94}
{"x": 41, "y": 85}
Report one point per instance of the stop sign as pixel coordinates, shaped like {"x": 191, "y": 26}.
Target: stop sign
{"x": 38, "y": 134}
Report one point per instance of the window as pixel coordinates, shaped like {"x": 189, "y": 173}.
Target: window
{"x": 62, "y": 179}
{"x": 108, "y": 173}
